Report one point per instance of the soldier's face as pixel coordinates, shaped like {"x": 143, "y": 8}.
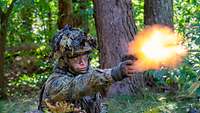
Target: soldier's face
{"x": 79, "y": 64}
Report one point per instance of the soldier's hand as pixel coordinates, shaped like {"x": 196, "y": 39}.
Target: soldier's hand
{"x": 127, "y": 68}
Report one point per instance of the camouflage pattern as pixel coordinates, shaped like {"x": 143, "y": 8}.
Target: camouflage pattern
{"x": 71, "y": 42}
{"x": 80, "y": 91}
{"x": 69, "y": 92}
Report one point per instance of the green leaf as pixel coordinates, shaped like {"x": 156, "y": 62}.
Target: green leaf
{"x": 198, "y": 92}
{"x": 197, "y": 41}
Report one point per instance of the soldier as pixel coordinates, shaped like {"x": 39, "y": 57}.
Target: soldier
{"x": 74, "y": 86}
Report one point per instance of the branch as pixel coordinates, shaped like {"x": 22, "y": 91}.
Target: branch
{"x": 23, "y": 47}
{"x": 9, "y": 10}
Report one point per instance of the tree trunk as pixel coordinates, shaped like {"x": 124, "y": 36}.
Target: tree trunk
{"x": 3, "y": 33}
{"x": 115, "y": 29}
{"x": 67, "y": 16}
{"x": 158, "y": 12}
{"x": 65, "y": 13}
{"x": 3, "y": 79}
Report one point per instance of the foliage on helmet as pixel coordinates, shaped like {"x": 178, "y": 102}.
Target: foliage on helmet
{"x": 71, "y": 42}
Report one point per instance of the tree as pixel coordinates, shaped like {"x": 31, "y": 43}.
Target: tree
{"x": 67, "y": 15}
{"x": 158, "y": 12}
{"x": 4, "y": 17}
{"x": 115, "y": 28}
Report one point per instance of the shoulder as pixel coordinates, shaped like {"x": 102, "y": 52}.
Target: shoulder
{"x": 57, "y": 77}
{"x": 56, "y": 81}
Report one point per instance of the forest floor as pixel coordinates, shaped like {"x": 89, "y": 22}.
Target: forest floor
{"x": 148, "y": 103}
{"x": 152, "y": 102}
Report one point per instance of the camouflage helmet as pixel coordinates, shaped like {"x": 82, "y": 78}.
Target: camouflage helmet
{"x": 71, "y": 42}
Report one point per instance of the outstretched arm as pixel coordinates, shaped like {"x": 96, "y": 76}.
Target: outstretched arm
{"x": 64, "y": 87}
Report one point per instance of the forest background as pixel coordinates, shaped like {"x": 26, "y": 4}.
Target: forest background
{"x": 27, "y": 28}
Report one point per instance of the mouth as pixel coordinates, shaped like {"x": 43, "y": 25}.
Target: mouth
{"x": 83, "y": 69}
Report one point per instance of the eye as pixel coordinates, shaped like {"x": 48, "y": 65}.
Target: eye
{"x": 85, "y": 57}
{"x": 76, "y": 58}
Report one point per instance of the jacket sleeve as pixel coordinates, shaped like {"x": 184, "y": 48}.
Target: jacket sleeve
{"x": 62, "y": 88}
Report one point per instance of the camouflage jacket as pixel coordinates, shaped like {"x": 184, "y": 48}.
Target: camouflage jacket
{"x": 79, "y": 91}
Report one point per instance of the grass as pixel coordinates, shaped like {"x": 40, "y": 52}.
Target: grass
{"x": 151, "y": 103}
{"x": 18, "y": 105}
{"x": 148, "y": 103}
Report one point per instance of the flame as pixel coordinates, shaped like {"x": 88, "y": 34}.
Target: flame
{"x": 155, "y": 47}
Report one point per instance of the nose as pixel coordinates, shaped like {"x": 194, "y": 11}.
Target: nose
{"x": 82, "y": 62}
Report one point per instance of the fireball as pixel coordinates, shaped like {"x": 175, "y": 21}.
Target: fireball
{"x": 155, "y": 47}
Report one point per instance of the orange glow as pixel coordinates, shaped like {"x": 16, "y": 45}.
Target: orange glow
{"x": 155, "y": 47}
